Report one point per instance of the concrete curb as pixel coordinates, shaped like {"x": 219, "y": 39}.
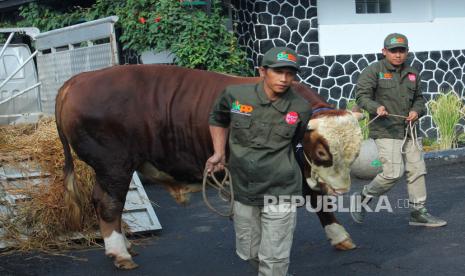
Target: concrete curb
{"x": 451, "y": 154}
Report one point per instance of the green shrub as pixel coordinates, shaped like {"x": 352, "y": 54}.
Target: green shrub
{"x": 197, "y": 39}
{"x": 428, "y": 141}
{"x": 47, "y": 19}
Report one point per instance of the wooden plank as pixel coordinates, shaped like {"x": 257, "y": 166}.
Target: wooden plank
{"x": 138, "y": 211}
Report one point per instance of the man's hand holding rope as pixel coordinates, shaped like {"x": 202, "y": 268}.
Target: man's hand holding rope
{"x": 381, "y": 111}
{"x": 412, "y": 116}
{"x": 215, "y": 163}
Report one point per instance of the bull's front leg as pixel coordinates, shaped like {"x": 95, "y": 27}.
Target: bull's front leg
{"x": 335, "y": 232}
{"x": 109, "y": 210}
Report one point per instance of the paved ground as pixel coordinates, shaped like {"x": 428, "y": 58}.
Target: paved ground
{"x": 195, "y": 241}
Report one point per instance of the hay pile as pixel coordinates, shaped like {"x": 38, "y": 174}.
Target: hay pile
{"x": 37, "y": 222}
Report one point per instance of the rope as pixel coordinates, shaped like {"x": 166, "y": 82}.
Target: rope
{"x": 307, "y": 159}
{"x": 377, "y": 116}
{"x": 224, "y": 193}
{"x": 410, "y": 126}
{"x": 413, "y": 135}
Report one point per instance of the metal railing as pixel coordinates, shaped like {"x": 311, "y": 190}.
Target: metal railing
{"x": 69, "y": 51}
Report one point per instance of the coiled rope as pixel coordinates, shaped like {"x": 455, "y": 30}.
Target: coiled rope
{"x": 225, "y": 193}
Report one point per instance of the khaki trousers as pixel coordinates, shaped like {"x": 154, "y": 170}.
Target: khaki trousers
{"x": 264, "y": 235}
{"x": 394, "y": 163}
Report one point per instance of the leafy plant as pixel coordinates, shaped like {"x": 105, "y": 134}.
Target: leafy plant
{"x": 447, "y": 110}
{"x": 197, "y": 39}
{"x": 47, "y": 19}
{"x": 351, "y": 105}
{"x": 429, "y": 143}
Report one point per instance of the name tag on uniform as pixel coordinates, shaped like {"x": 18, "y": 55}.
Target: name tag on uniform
{"x": 412, "y": 77}
{"x": 385, "y": 76}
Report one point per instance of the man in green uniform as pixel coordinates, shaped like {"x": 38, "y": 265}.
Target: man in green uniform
{"x": 265, "y": 121}
{"x": 385, "y": 89}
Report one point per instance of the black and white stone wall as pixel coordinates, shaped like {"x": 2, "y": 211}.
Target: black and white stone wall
{"x": 263, "y": 24}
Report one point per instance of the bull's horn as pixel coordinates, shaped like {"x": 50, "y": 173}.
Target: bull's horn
{"x": 312, "y": 124}
{"x": 358, "y": 115}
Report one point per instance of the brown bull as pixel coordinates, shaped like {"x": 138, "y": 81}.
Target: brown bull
{"x": 124, "y": 118}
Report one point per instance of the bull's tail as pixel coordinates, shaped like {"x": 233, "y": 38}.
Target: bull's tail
{"x": 72, "y": 197}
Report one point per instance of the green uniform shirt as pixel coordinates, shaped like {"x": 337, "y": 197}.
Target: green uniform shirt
{"x": 261, "y": 138}
{"x": 397, "y": 89}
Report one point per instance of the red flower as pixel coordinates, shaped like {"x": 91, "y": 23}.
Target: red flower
{"x": 142, "y": 20}
{"x": 158, "y": 19}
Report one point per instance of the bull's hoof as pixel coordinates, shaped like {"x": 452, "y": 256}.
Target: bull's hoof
{"x": 125, "y": 264}
{"x": 339, "y": 237}
{"x": 346, "y": 244}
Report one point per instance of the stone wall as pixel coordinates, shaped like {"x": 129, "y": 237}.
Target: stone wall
{"x": 263, "y": 24}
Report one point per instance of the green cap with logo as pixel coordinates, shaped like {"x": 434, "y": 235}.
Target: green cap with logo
{"x": 281, "y": 57}
{"x": 395, "y": 40}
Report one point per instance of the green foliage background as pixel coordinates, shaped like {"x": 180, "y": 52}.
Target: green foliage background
{"x": 198, "y": 40}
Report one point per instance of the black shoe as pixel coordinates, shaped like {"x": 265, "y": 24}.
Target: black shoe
{"x": 421, "y": 217}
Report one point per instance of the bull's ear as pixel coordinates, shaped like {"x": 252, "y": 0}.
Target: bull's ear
{"x": 358, "y": 115}
{"x": 312, "y": 124}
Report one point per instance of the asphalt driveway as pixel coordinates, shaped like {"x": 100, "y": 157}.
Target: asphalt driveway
{"x": 195, "y": 241}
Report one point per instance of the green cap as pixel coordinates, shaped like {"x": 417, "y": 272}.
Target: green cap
{"x": 281, "y": 57}
{"x": 395, "y": 40}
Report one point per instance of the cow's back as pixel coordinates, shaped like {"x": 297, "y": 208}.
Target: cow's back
{"x": 150, "y": 113}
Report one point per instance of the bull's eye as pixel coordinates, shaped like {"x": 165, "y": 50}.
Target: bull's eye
{"x": 323, "y": 155}
{"x": 319, "y": 151}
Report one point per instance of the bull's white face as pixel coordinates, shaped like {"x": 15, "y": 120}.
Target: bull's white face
{"x": 331, "y": 147}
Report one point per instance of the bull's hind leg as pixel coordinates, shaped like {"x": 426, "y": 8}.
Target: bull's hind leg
{"x": 109, "y": 204}
{"x": 335, "y": 232}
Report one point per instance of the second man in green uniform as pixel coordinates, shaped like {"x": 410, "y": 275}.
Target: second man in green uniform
{"x": 390, "y": 91}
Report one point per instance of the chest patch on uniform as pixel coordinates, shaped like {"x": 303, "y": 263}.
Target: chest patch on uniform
{"x": 412, "y": 77}
{"x": 241, "y": 108}
{"x": 291, "y": 117}
{"x": 385, "y": 76}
